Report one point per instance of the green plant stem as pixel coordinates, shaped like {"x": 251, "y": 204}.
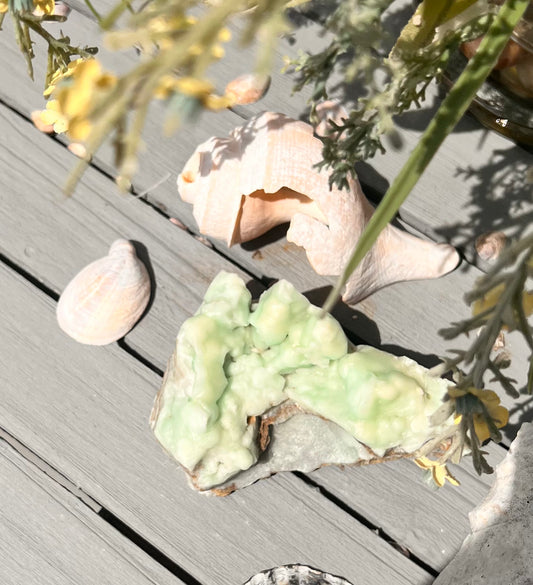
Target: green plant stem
{"x": 448, "y": 115}
{"x": 95, "y": 12}
{"x": 108, "y": 21}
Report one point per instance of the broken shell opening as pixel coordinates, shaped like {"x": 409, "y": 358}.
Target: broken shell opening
{"x": 273, "y": 209}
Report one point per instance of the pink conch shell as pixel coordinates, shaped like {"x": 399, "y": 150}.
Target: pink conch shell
{"x": 263, "y": 174}
{"x": 105, "y": 300}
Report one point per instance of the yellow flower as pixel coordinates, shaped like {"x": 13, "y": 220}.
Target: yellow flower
{"x": 43, "y": 7}
{"x": 166, "y": 87}
{"x": 52, "y": 116}
{"x": 73, "y": 100}
{"x": 491, "y": 401}
{"x": 194, "y": 87}
{"x": 4, "y": 6}
{"x": 439, "y": 471}
{"x": 224, "y": 35}
{"x": 217, "y": 51}
{"x": 488, "y": 301}
{"x": 218, "y": 102}
{"x": 61, "y": 74}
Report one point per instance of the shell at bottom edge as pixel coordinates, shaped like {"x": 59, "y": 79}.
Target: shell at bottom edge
{"x": 295, "y": 575}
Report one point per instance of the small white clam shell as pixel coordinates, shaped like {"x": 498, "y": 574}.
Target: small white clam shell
{"x": 105, "y": 300}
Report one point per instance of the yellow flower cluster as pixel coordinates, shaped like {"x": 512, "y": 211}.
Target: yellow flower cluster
{"x": 192, "y": 87}
{"x": 491, "y": 401}
{"x": 163, "y": 32}
{"x": 439, "y": 471}
{"x": 59, "y": 75}
{"x": 41, "y": 7}
{"x": 74, "y": 93}
{"x": 490, "y": 299}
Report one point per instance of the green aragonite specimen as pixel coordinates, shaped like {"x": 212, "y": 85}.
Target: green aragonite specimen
{"x": 235, "y": 361}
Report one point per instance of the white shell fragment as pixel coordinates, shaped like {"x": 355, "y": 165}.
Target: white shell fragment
{"x": 265, "y": 174}
{"x": 105, "y": 300}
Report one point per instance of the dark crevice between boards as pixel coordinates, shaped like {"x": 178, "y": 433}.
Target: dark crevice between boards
{"x": 55, "y": 297}
{"x": 139, "y": 357}
{"x": 29, "y": 277}
{"x": 43, "y": 466}
{"x": 365, "y": 522}
{"x": 373, "y": 194}
{"x": 152, "y": 551}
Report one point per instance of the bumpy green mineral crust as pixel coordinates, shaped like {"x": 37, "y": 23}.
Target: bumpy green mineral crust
{"x": 234, "y": 361}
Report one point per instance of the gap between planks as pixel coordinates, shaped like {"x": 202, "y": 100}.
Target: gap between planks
{"x": 62, "y": 541}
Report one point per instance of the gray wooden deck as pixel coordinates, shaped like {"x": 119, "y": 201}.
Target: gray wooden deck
{"x": 86, "y": 494}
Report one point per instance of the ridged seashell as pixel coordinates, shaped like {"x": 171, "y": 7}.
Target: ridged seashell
{"x": 295, "y": 575}
{"x": 264, "y": 174}
{"x": 105, "y": 300}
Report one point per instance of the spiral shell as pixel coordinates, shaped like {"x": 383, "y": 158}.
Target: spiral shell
{"x": 105, "y": 300}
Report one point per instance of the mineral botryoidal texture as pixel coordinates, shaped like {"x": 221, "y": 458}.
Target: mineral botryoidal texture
{"x": 253, "y": 389}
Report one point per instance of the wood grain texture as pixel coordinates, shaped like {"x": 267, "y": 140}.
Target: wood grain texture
{"x": 87, "y": 415}
{"x": 54, "y": 239}
{"x": 38, "y": 231}
{"x": 434, "y": 522}
{"x": 50, "y": 538}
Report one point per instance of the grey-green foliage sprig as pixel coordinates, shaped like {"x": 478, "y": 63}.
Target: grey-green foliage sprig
{"x": 60, "y": 49}
{"x": 401, "y": 82}
{"x": 503, "y": 302}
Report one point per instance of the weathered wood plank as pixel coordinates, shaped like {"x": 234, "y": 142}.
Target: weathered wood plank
{"x": 385, "y": 318}
{"x": 87, "y": 415}
{"x": 434, "y": 522}
{"x": 53, "y": 239}
{"x": 49, "y": 537}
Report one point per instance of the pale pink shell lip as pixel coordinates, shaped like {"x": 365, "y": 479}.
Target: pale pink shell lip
{"x": 104, "y": 301}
